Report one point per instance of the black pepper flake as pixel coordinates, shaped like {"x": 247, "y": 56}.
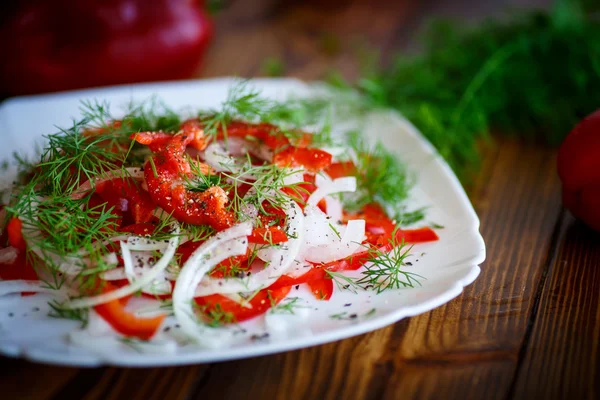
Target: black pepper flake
{"x": 167, "y": 329}
{"x": 11, "y": 314}
{"x": 408, "y": 263}
{"x": 352, "y": 316}
{"x": 256, "y": 337}
{"x": 35, "y": 309}
{"x": 347, "y": 304}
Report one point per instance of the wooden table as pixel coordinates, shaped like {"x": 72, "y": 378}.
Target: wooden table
{"x": 529, "y": 327}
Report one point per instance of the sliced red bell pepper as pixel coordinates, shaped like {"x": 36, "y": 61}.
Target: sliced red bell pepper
{"x": 321, "y": 288}
{"x": 19, "y": 268}
{"x": 314, "y": 273}
{"x": 126, "y": 322}
{"x": 128, "y": 199}
{"x": 341, "y": 169}
{"x": 223, "y": 269}
{"x": 233, "y": 311}
{"x": 420, "y": 235}
{"x": 15, "y": 233}
{"x": 268, "y": 235}
{"x": 309, "y": 158}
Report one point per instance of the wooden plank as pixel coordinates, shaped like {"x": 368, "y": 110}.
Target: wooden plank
{"x": 24, "y": 380}
{"x": 311, "y": 38}
{"x": 562, "y": 355}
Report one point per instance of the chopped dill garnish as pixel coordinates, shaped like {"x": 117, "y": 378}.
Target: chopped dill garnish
{"x": 215, "y": 316}
{"x": 342, "y": 281}
{"x": 371, "y": 312}
{"x": 58, "y": 311}
{"x": 287, "y": 305}
{"x": 344, "y": 316}
{"x": 385, "y": 270}
{"x": 380, "y": 175}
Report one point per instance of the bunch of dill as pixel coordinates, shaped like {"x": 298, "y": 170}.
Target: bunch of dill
{"x": 532, "y": 76}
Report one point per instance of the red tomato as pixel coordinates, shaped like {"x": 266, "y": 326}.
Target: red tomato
{"x": 125, "y": 322}
{"x": 578, "y": 165}
{"x": 260, "y": 303}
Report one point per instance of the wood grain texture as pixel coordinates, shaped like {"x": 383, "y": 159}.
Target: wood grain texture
{"x": 528, "y": 327}
{"x": 562, "y": 358}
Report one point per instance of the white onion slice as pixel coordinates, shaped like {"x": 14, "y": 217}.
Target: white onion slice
{"x": 8, "y": 255}
{"x": 293, "y": 177}
{"x": 219, "y": 159}
{"x": 127, "y": 262}
{"x": 20, "y": 285}
{"x": 334, "y": 208}
{"x": 139, "y": 243}
{"x": 202, "y": 260}
{"x": 348, "y": 245}
{"x": 139, "y": 283}
{"x": 345, "y": 184}
{"x": 279, "y": 259}
{"x": 317, "y": 228}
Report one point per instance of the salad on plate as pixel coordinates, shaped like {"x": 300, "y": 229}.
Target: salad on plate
{"x": 168, "y": 228}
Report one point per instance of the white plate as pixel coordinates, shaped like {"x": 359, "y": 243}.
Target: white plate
{"x": 448, "y": 265}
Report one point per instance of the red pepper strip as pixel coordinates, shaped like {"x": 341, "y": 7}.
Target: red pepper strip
{"x": 223, "y": 269}
{"x": 302, "y": 191}
{"x": 322, "y": 288}
{"x": 20, "y": 268}
{"x": 341, "y": 169}
{"x": 142, "y": 229}
{"x": 15, "y": 233}
{"x": 312, "y": 159}
{"x": 127, "y": 198}
{"x": 236, "y": 312}
{"x": 268, "y": 235}
{"x": 165, "y": 174}
{"x": 420, "y": 235}
{"x": 125, "y": 322}
{"x": 314, "y": 273}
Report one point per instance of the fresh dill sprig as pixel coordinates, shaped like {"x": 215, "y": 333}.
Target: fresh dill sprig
{"x": 287, "y": 305}
{"x": 215, "y": 316}
{"x": 344, "y": 316}
{"x": 58, "y": 311}
{"x": 342, "y": 281}
{"x": 266, "y": 182}
{"x": 380, "y": 176}
{"x": 385, "y": 270}
{"x": 534, "y": 75}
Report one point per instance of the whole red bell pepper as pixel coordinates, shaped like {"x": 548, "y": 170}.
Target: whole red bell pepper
{"x": 68, "y": 44}
{"x": 579, "y": 170}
